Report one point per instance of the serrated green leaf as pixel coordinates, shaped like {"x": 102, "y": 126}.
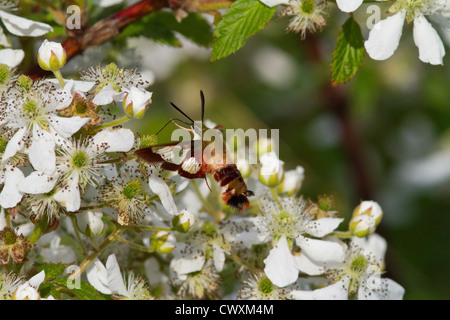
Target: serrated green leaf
{"x": 242, "y": 20}
{"x": 52, "y": 270}
{"x": 84, "y": 292}
{"x": 349, "y": 53}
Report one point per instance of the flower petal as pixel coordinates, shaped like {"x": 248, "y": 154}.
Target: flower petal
{"x": 114, "y": 140}
{"x": 37, "y": 279}
{"x": 348, "y": 5}
{"x": 219, "y": 257}
{"x": 383, "y": 289}
{"x": 14, "y": 145}
{"x": 431, "y": 48}
{"x": 281, "y": 267}
{"x": 24, "y": 27}
{"x": 12, "y": 58}
{"x": 42, "y": 151}
{"x": 10, "y": 195}
{"x": 115, "y": 280}
{"x": 69, "y": 197}
{"x": 105, "y": 96}
{"x": 273, "y": 3}
{"x": 335, "y": 291}
{"x": 308, "y": 266}
{"x": 385, "y": 37}
{"x": 321, "y": 227}
{"x": 321, "y": 250}
{"x": 186, "y": 260}
{"x": 98, "y": 276}
{"x": 160, "y": 188}
{"x": 66, "y": 127}
{"x": 38, "y": 182}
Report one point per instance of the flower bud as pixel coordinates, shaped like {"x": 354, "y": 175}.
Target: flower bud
{"x": 244, "y": 167}
{"x": 136, "y": 102}
{"x": 366, "y": 216}
{"x": 90, "y": 223}
{"x": 369, "y": 208}
{"x": 51, "y": 56}
{"x": 263, "y": 146}
{"x": 162, "y": 242}
{"x": 272, "y": 169}
{"x": 183, "y": 221}
{"x": 292, "y": 181}
{"x": 362, "y": 226}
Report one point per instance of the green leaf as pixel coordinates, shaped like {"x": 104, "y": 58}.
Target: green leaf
{"x": 52, "y": 270}
{"x": 162, "y": 26}
{"x": 84, "y": 291}
{"x": 153, "y": 26}
{"x": 194, "y": 27}
{"x": 349, "y": 53}
{"x": 242, "y": 20}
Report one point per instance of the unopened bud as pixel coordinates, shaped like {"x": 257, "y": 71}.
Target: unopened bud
{"x": 272, "y": 169}
{"x": 365, "y": 218}
{"x": 51, "y": 56}
{"x": 362, "y": 226}
{"x": 183, "y": 221}
{"x": 162, "y": 242}
{"x": 136, "y": 102}
{"x": 90, "y": 223}
{"x": 292, "y": 181}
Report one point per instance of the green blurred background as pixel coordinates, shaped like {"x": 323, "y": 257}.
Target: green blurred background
{"x": 383, "y": 136}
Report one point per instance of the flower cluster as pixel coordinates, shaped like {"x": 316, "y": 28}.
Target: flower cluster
{"x": 71, "y": 183}
{"x": 384, "y": 37}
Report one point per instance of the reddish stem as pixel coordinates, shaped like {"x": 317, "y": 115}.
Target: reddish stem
{"x": 104, "y": 30}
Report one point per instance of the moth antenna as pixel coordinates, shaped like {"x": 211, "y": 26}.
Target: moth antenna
{"x": 202, "y": 97}
{"x": 179, "y": 110}
{"x": 206, "y": 180}
{"x": 173, "y": 120}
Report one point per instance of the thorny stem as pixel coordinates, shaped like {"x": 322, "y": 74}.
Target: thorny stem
{"x": 111, "y": 238}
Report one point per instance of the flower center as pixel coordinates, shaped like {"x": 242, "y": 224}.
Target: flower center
{"x": 265, "y": 285}
{"x": 308, "y": 6}
{"x": 80, "y": 159}
{"x": 3, "y": 144}
{"x": 412, "y": 8}
{"x": 5, "y": 74}
{"x": 358, "y": 265}
{"x": 132, "y": 189}
{"x": 30, "y": 108}
{"x": 9, "y": 237}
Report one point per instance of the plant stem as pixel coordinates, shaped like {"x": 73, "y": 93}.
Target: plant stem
{"x": 111, "y": 238}
{"x": 342, "y": 234}
{"x": 275, "y": 197}
{"x": 152, "y": 228}
{"x": 77, "y": 233}
{"x": 59, "y": 76}
{"x": 96, "y": 206}
{"x": 113, "y": 123}
{"x": 134, "y": 245}
{"x": 38, "y": 231}
{"x": 236, "y": 258}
